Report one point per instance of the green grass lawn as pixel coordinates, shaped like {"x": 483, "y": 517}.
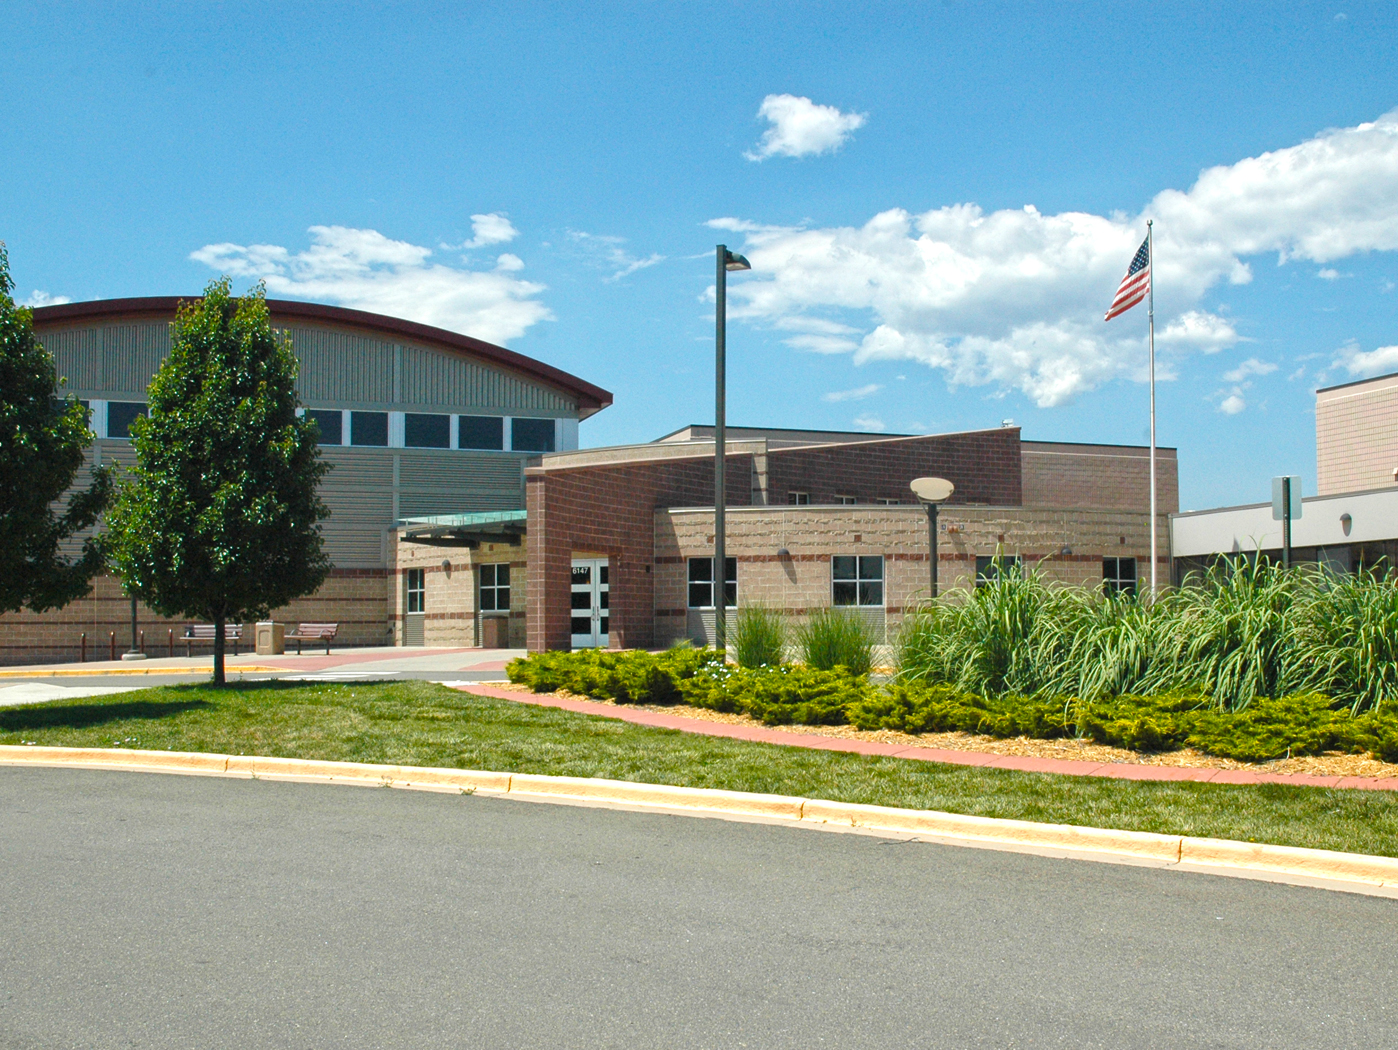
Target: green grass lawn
{"x": 419, "y": 723}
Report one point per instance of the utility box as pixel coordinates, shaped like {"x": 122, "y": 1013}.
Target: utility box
{"x": 271, "y": 639}
{"x": 495, "y": 632}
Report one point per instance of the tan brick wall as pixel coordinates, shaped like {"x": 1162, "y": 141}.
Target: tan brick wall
{"x": 801, "y": 581}
{"x": 1356, "y": 436}
{"x": 449, "y": 576}
{"x": 356, "y": 599}
{"x": 1098, "y": 477}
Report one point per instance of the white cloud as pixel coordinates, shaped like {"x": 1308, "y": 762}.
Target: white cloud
{"x": 1015, "y": 298}
{"x": 1231, "y": 405}
{"x": 1251, "y": 367}
{"x": 1327, "y": 273}
{"x": 872, "y": 424}
{"x": 801, "y": 128}
{"x": 42, "y": 298}
{"x": 509, "y": 263}
{"x": 1367, "y": 363}
{"x": 857, "y": 394}
{"x": 368, "y": 271}
{"x": 487, "y": 229}
{"x": 608, "y": 252}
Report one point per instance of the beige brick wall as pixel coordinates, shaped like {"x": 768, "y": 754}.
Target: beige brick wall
{"x": 356, "y": 599}
{"x": 449, "y": 575}
{"x": 1098, "y": 477}
{"x": 801, "y": 581}
{"x": 1356, "y": 436}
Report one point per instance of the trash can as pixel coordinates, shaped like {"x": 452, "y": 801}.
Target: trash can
{"x": 271, "y": 639}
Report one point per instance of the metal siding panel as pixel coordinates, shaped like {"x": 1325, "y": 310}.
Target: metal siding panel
{"x": 430, "y": 377}
{"x": 78, "y": 353}
{"x": 337, "y": 366}
{"x": 131, "y": 355}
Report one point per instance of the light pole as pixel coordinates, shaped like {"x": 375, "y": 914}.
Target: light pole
{"x": 930, "y": 492}
{"x": 725, "y": 261}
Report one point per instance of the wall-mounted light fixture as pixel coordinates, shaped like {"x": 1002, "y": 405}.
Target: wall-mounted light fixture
{"x": 783, "y": 553}
{"x": 1346, "y": 522}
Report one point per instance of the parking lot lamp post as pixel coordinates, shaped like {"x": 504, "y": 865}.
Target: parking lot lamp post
{"x": 726, "y": 261}
{"x": 930, "y": 492}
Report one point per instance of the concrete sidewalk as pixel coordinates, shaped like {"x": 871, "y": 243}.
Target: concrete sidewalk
{"x": 1022, "y": 763}
{"x": 57, "y": 681}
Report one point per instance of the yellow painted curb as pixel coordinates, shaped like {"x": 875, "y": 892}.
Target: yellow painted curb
{"x": 1247, "y": 859}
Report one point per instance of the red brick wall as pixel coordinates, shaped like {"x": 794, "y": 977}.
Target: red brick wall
{"x": 984, "y": 466}
{"x": 609, "y": 510}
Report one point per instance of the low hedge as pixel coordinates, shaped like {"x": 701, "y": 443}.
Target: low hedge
{"x": 1268, "y": 728}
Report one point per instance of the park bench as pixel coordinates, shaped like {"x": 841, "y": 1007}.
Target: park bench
{"x": 313, "y": 632}
{"x": 204, "y": 632}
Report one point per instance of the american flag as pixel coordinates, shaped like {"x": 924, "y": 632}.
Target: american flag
{"x": 1135, "y": 285}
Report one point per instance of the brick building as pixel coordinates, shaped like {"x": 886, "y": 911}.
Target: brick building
{"x": 415, "y": 421}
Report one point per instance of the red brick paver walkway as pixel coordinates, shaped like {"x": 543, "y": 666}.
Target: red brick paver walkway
{"x": 1023, "y": 763}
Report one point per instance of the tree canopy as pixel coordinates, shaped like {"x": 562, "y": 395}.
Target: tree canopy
{"x": 42, "y": 440}
{"x": 220, "y": 517}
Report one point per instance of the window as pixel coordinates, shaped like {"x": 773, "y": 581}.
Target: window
{"x": 857, "y": 580}
{"x": 701, "y": 582}
{"x": 480, "y": 432}
{"x": 120, "y": 416}
{"x": 845, "y": 501}
{"x": 798, "y": 499}
{"x": 994, "y": 570}
{"x": 426, "y": 431}
{"x": 1118, "y": 576}
{"x": 532, "y": 435}
{"x": 888, "y": 502}
{"x": 495, "y": 588}
{"x": 369, "y": 428}
{"x": 331, "y": 423}
{"x": 417, "y": 591}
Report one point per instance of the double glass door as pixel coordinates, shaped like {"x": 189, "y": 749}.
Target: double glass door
{"x": 591, "y": 623}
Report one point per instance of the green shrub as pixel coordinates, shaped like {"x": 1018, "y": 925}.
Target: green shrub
{"x": 837, "y": 637}
{"x": 778, "y": 695}
{"x": 1275, "y": 727}
{"x": 759, "y": 637}
{"x": 1139, "y": 723}
{"x": 922, "y": 708}
{"x": 633, "y": 676}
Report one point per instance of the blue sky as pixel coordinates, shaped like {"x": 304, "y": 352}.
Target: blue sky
{"x": 899, "y": 283}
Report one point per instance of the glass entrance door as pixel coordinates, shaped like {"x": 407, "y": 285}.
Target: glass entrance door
{"x": 591, "y": 623}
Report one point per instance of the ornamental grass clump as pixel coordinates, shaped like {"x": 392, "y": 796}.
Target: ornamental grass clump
{"x": 835, "y": 637}
{"x": 1347, "y": 637}
{"x": 759, "y": 637}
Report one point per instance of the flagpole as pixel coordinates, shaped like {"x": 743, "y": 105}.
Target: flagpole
{"x": 1154, "y": 525}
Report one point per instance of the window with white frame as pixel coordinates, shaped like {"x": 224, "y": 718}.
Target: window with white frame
{"x": 1119, "y": 576}
{"x": 417, "y": 590}
{"x": 495, "y": 588}
{"x": 845, "y": 501}
{"x": 331, "y": 422}
{"x": 120, "y": 416}
{"x": 888, "y": 502}
{"x": 701, "y": 582}
{"x": 798, "y": 499}
{"x": 857, "y": 580}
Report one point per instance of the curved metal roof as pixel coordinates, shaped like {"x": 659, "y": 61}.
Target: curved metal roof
{"x": 590, "y": 398}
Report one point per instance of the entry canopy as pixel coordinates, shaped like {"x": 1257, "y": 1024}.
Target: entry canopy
{"x": 466, "y": 530}
{"x": 932, "y": 490}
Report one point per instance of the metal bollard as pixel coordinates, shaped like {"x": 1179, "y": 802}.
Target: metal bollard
{"x": 143, "y": 642}
{"x": 172, "y": 641}
{"x": 83, "y": 658}
{"x": 111, "y": 645}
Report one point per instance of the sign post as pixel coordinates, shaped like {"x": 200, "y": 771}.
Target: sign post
{"x": 1286, "y": 505}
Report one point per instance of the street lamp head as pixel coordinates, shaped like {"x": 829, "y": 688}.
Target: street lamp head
{"x": 932, "y": 490}
{"x": 734, "y": 261}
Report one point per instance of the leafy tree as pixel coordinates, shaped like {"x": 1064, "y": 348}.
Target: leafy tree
{"x": 42, "y": 439}
{"x": 220, "y": 518}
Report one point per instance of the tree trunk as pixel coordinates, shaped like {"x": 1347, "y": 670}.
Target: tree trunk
{"x": 219, "y": 646}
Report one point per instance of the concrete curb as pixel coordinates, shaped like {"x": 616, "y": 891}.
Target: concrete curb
{"x": 1222, "y": 856}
